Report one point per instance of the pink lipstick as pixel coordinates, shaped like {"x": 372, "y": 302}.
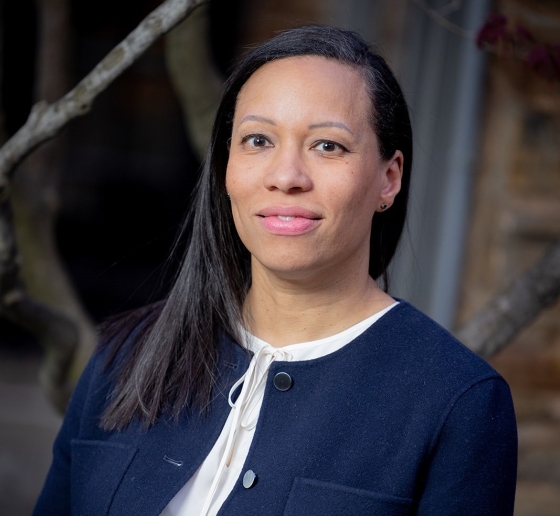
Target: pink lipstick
{"x": 288, "y": 220}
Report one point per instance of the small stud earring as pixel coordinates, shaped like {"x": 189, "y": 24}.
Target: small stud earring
{"x": 384, "y": 207}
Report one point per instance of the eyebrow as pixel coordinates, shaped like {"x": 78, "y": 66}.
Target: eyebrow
{"x": 331, "y": 124}
{"x": 258, "y": 119}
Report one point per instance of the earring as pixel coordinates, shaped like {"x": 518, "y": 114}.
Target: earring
{"x": 228, "y": 196}
{"x": 384, "y": 207}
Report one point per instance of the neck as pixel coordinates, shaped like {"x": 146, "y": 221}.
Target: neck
{"x": 285, "y": 311}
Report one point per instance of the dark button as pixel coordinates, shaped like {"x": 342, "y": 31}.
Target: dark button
{"x": 283, "y": 381}
{"x": 249, "y": 479}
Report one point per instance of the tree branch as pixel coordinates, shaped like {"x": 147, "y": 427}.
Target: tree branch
{"x": 438, "y": 15}
{"x": 57, "y": 333}
{"x": 501, "y": 319}
{"x": 49, "y": 303}
{"x": 194, "y": 77}
{"x": 55, "y": 328}
{"x": 46, "y": 120}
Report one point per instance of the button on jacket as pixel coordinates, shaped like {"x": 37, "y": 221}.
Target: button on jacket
{"x": 403, "y": 420}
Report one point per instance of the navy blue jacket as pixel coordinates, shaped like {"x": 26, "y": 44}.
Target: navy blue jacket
{"x": 404, "y": 420}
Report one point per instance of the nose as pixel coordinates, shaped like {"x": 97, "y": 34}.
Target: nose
{"x": 288, "y": 172}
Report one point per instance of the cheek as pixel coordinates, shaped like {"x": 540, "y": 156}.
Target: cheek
{"x": 356, "y": 211}
{"x": 356, "y": 199}
{"x": 239, "y": 199}
{"x": 240, "y": 178}
{"x": 231, "y": 189}
{"x": 230, "y": 178}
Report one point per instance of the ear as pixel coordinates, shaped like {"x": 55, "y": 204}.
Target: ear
{"x": 391, "y": 185}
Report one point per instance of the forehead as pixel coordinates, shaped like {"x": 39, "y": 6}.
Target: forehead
{"x": 319, "y": 82}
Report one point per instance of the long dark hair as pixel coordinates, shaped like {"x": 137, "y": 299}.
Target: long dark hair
{"x": 172, "y": 365}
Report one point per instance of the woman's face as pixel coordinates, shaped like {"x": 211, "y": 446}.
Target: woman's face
{"x": 304, "y": 173}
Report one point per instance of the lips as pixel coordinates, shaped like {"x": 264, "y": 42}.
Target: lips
{"x": 288, "y": 220}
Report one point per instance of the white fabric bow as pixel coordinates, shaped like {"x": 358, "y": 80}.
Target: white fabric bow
{"x": 245, "y": 413}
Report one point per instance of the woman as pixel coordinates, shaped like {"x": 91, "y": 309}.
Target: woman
{"x": 278, "y": 377}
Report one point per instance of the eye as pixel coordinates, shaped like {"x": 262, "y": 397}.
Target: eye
{"x": 256, "y": 140}
{"x": 329, "y": 147}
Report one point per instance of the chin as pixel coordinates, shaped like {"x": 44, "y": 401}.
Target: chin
{"x": 288, "y": 266}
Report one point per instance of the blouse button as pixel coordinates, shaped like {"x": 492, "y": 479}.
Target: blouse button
{"x": 283, "y": 381}
{"x": 249, "y": 479}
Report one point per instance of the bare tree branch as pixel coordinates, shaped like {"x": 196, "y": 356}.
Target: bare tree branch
{"x": 56, "y": 331}
{"x": 449, "y": 8}
{"x": 61, "y": 329}
{"x": 46, "y": 120}
{"x": 2, "y": 115}
{"x": 196, "y": 80}
{"x": 438, "y": 15}
{"x": 35, "y": 201}
{"x": 530, "y": 293}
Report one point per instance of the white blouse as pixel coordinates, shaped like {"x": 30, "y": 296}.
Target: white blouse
{"x": 208, "y": 488}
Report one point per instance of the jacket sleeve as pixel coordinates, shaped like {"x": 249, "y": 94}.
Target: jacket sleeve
{"x": 54, "y": 499}
{"x": 473, "y": 465}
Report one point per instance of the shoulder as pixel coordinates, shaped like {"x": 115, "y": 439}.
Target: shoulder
{"x": 417, "y": 361}
{"x": 119, "y": 334}
{"x": 416, "y": 338}
{"x": 119, "y": 340}
{"x": 439, "y": 382}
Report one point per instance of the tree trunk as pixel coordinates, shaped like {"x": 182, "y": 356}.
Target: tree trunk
{"x": 196, "y": 80}
{"x": 36, "y": 198}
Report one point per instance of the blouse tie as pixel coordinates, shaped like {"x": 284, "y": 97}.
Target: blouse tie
{"x": 246, "y": 407}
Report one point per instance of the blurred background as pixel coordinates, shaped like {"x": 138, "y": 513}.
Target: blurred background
{"x": 97, "y": 209}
